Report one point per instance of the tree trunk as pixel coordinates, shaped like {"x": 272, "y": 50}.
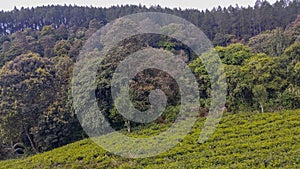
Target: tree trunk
{"x": 30, "y": 140}
{"x": 128, "y": 126}
{"x": 261, "y": 107}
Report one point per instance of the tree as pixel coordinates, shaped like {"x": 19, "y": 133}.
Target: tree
{"x": 272, "y": 43}
{"x": 47, "y": 40}
{"x": 62, "y": 32}
{"x": 260, "y": 95}
{"x": 278, "y": 42}
{"x": 62, "y": 48}
{"x": 237, "y": 88}
{"x": 94, "y": 25}
{"x": 35, "y": 102}
{"x": 258, "y": 43}
{"x": 223, "y": 40}
{"x": 291, "y": 61}
{"x": 234, "y": 54}
{"x": 264, "y": 70}
{"x": 293, "y": 29}
{"x": 291, "y": 55}
{"x": 26, "y": 91}
{"x": 57, "y": 124}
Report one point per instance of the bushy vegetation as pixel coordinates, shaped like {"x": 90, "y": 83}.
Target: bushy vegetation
{"x": 259, "y": 47}
{"x": 244, "y": 140}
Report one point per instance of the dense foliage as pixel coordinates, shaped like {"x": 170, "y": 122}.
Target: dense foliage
{"x": 259, "y": 47}
{"x": 34, "y": 96}
{"x": 220, "y": 24}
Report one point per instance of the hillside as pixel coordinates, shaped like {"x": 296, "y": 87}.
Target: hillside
{"x": 244, "y": 140}
{"x": 40, "y": 53}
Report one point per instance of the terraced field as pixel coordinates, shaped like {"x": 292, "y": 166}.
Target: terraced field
{"x": 244, "y": 140}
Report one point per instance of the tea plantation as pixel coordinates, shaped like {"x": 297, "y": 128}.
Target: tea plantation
{"x": 244, "y": 140}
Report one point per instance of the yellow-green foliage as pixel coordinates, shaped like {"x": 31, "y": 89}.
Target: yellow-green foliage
{"x": 244, "y": 140}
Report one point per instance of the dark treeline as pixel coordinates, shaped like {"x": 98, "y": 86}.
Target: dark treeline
{"x": 241, "y": 22}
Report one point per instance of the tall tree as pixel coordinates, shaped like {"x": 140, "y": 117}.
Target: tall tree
{"x": 26, "y": 91}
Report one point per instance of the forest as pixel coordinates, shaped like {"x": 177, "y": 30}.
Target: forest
{"x": 258, "y": 45}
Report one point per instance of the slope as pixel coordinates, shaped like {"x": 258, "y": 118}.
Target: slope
{"x": 244, "y": 140}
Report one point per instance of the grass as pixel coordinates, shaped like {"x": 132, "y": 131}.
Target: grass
{"x": 244, "y": 140}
